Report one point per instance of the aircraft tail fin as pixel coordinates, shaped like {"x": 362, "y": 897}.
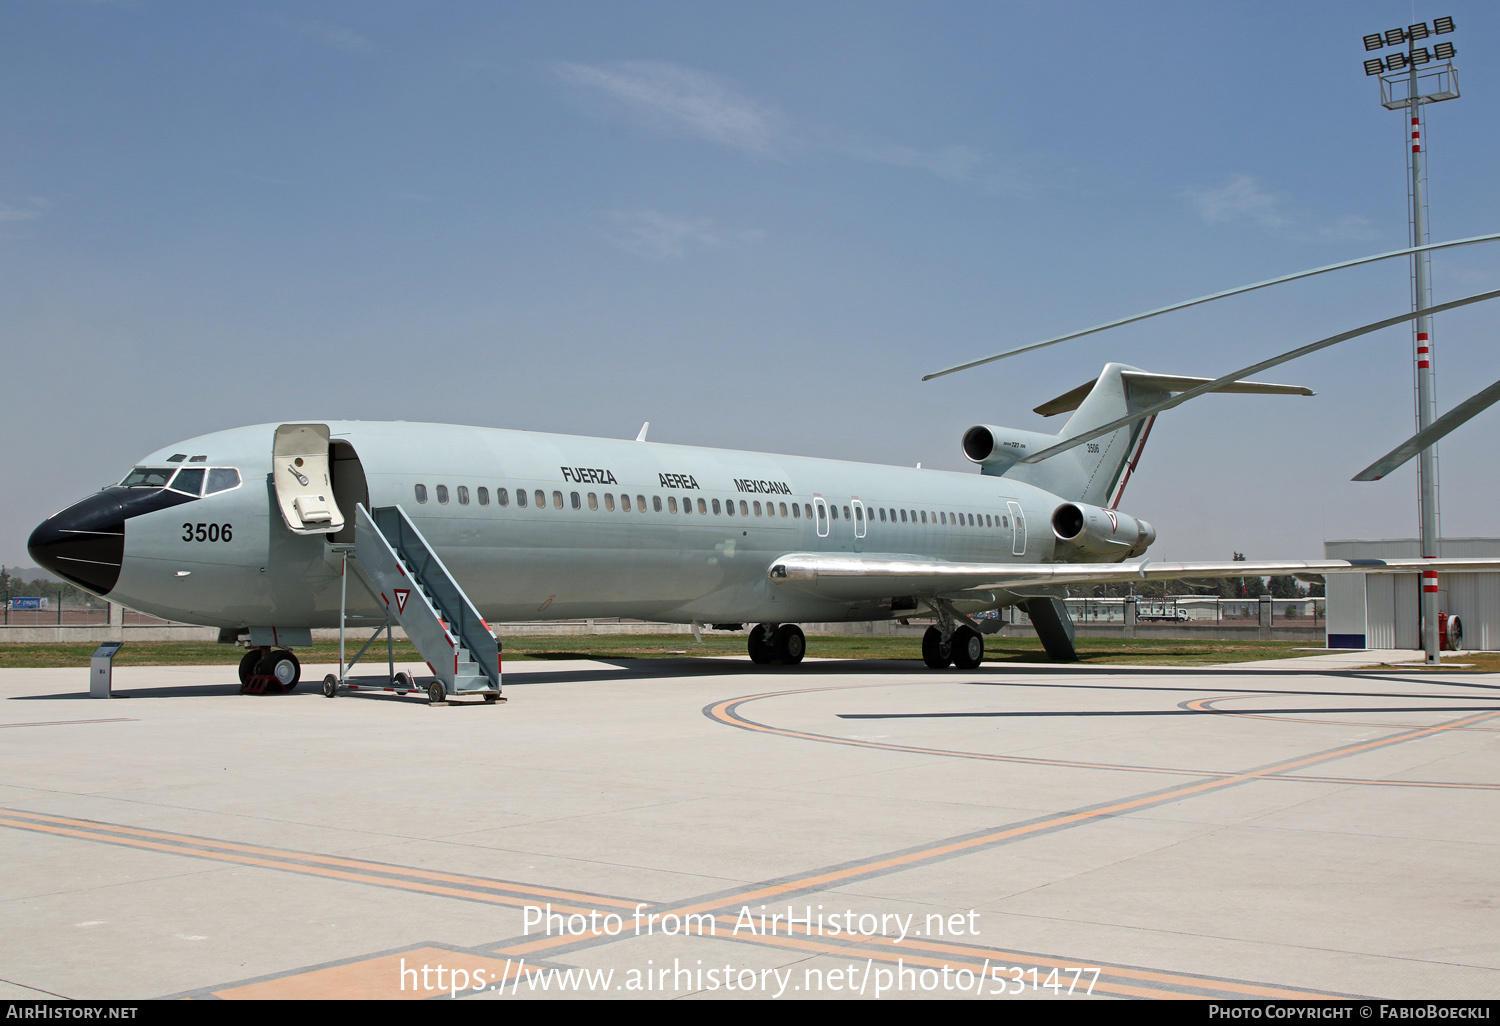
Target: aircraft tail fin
{"x": 1097, "y": 471}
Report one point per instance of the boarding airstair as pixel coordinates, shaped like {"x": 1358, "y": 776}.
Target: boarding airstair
{"x": 397, "y": 565}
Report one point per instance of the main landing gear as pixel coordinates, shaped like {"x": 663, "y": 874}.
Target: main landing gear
{"x": 782, "y": 644}
{"x": 964, "y": 648}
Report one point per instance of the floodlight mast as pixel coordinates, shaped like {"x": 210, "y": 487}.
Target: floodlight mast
{"x": 1446, "y": 81}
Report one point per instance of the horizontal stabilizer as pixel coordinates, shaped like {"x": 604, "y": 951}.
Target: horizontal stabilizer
{"x": 1069, "y": 401}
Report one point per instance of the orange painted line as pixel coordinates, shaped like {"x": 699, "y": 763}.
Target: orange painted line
{"x": 927, "y": 955}
{"x": 109, "y": 829}
{"x": 895, "y": 862}
{"x": 724, "y": 714}
{"x": 247, "y": 860}
{"x": 977, "y": 954}
{"x": 1202, "y": 705}
{"x": 64, "y": 723}
{"x": 378, "y": 979}
{"x": 728, "y": 716}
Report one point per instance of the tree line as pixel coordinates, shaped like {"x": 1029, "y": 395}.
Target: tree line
{"x": 13, "y": 585}
{"x": 1279, "y": 587}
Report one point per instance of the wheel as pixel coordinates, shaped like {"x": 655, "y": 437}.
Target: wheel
{"x": 330, "y": 686}
{"x": 936, "y": 652}
{"x": 490, "y": 699}
{"x": 435, "y": 693}
{"x": 789, "y": 644}
{"x": 968, "y": 648}
{"x": 1455, "y": 634}
{"x": 282, "y": 665}
{"x": 760, "y": 645}
{"x": 402, "y": 681}
{"x": 248, "y": 663}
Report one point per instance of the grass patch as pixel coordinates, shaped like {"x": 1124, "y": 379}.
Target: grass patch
{"x": 1103, "y": 651}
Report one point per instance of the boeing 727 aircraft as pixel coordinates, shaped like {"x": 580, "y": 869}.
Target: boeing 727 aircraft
{"x": 449, "y": 528}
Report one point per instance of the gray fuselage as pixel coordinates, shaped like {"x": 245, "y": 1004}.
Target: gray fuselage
{"x": 576, "y": 554}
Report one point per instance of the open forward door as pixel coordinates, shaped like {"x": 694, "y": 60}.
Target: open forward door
{"x": 304, "y": 489}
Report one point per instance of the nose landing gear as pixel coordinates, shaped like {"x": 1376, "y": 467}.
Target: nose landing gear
{"x": 263, "y": 672}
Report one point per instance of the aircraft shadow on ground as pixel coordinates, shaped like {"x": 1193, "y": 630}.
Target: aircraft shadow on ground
{"x": 622, "y": 670}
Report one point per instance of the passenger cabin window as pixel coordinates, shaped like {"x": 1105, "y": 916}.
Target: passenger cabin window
{"x": 796, "y": 510}
{"x": 729, "y": 506}
{"x": 483, "y": 495}
{"x": 783, "y": 510}
{"x": 593, "y": 500}
{"x": 421, "y": 492}
{"x": 502, "y": 496}
{"x": 557, "y": 500}
{"x": 716, "y": 507}
{"x": 463, "y": 495}
{"x": 521, "y": 497}
{"x": 671, "y": 504}
{"x": 640, "y": 503}
{"x": 442, "y": 494}
{"x": 703, "y": 506}
{"x": 577, "y": 500}
{"x": 624, "y": 504}
{"x": 221, "y": 479}
{"x": 656, "y": 503}
{"x": 609, "y": 502}
{"x": 541, "y": 499}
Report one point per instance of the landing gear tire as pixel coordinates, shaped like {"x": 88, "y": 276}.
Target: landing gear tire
{"x": 936, "y": 652}
{"x": 248, "y": 663}
{"x": 330, "y": 686}
{"x": 435, "y": 693}
{"x": 760, "y": 645}
{"x": 282, "y": 665}
{"x": 788, "y": 644}
{"x": 968, "y": 648}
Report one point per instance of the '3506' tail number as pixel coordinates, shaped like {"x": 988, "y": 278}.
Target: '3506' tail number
{"x": 207, "y": 532}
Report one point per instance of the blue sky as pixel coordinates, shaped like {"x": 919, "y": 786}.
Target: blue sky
{"x": 755, "y": 225}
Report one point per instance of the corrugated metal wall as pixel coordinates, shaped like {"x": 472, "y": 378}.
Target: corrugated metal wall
{"x": 1386, "y": 609}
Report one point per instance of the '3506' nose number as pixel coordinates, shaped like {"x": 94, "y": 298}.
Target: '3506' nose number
{"x": 208, "y": 532}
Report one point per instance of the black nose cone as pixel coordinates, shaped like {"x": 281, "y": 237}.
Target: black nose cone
{"x": 85, "y": 543}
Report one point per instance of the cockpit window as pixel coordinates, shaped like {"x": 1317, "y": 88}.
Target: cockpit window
{"x": 221, "y": 479}
{"x": 147, "y": 477}
{"x": 189, "y": 481}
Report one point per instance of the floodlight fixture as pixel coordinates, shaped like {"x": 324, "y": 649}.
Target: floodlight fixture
{"x": 1395, "y": 62}
{"x": 1374, "y": 42}
{"x": 1395, "y": 37}
{"x": 1417, "y": 31}
{"x": 1374, "y": 66}
{"x": 1442, "y": 25}
{"x": 1444, "y": 51}
{"x": 1419, "y": 56}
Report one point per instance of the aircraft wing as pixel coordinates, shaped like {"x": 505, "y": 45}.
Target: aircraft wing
{"x": 862, "y": 576}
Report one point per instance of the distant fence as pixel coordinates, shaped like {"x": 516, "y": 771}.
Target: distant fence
{"x": 1190, "y": 611}
{"x": 71, "y": 613}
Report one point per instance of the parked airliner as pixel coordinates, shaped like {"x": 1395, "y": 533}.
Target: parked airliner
{"x": 246, "y": 530}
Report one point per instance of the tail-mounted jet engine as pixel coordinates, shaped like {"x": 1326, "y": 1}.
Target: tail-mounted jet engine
{"x": 1000, "y": 446}
{"x": 1102, "y": 532}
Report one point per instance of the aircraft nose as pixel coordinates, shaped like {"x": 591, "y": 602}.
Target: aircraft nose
{"x": 84, "y": 543}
